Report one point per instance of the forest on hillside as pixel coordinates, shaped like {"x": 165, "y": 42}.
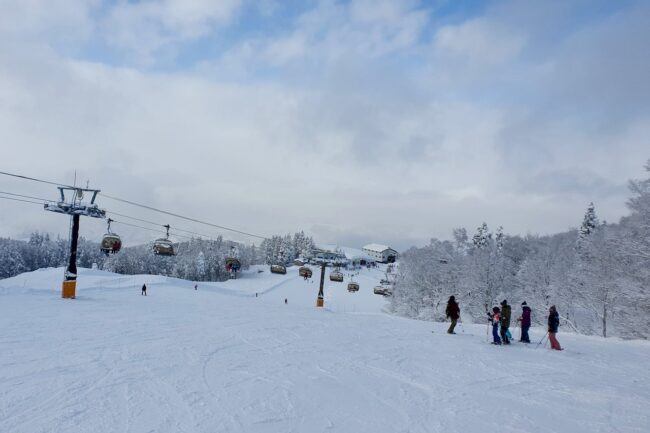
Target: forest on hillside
{"x": 598, "y": 275}
{"x": 195, "y": 259}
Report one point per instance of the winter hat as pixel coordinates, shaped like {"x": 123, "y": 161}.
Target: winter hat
{"x": 495, "y": 309}
{"x": 523, "y": 303}
{"x": 504, "y": 302}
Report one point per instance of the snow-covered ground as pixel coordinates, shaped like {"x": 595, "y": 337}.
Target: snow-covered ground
{"x": 220, "y": 359}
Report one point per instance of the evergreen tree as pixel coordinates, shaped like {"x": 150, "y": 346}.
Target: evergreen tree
{"x": 589, "y": 222}
{"x": 483, "y": 237}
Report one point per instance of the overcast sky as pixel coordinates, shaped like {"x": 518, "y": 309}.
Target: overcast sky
{"x": 358, "y": 121}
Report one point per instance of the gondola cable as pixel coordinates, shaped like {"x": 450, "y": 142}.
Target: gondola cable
{"x": 182, "y": 216}
{"x": 176, "y": 229}
{"x": 158, "y": 224}
{"x": 26, "y": 196}
{"x": 139, "y": 205}
{"x": 19, "y": 199}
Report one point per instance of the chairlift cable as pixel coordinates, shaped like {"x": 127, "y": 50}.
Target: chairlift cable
{"x": 26, "y": 196}
{"x": 158, "y": 224}
{"x": 139, "y": 205}
{"x": 183, "y": 217}
{"x": 36, "y": 180}
{"x": 19, "y": 199}
{"x": 111, "y": 212}
{"x": 148, "y": 228}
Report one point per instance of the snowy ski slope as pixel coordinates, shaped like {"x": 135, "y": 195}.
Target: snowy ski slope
{"x": 219, "y": 359}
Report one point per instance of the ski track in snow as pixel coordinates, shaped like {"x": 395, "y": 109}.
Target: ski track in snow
{"x": 220, "y": 359}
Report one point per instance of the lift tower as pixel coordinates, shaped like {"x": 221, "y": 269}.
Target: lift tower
{"x": 320, "y": 299}
{"x": 74, "y": 206}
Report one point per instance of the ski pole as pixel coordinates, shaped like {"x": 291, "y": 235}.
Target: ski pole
{"x": 540, "y": 341}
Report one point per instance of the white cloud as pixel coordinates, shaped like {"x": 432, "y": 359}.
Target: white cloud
{"x": 346, "y": 123}
{"x": 333, "y": 32}
{"x": 479, "y": 43}
{"x": 49, "y": 20}
{"x": 144, "y": 28}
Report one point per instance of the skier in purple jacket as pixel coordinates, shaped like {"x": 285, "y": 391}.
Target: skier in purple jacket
{"x": 525, "y": 322}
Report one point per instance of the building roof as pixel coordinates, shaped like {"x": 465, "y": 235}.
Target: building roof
{"x": 377, "y": 248}
{"x": 356, "y": 254}
{"x": 349, "y": 253}
{"x": 327, "y": 248}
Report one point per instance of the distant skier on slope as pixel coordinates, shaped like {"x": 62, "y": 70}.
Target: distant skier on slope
{"x": 144, "y": 290}
{"x": 495, "y": 318}
{"x": 506, "y": 312}
{"x": 453, "y": 313}
{"x": 525, "y": 322}
{"x": 553, "y": 325}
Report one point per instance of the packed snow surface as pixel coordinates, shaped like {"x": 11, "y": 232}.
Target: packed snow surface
{"x": 220, "y": 359}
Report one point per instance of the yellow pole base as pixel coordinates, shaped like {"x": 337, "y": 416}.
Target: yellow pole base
{"x": 69, "y": 289}
{"x": 320, "y": 302}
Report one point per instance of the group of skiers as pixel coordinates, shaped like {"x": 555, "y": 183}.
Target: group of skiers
{"x": 500, "y": 317}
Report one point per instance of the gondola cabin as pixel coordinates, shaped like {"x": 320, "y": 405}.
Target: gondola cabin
{"x": 353, "y": 287}
{"x": 111, "y": 243}
{"x": 163, "y": 247}
{"x": 336, "y": 276}
{"x": 233, "y": 264}
{"x": 382, "y": 290}
{"x": 305, "y": 272}
{"x": 278, "y": 269}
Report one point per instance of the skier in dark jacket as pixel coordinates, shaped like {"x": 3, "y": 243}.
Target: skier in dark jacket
{"x": 525, "y": 322}
{"x": 505, "y": 321}
{"x": 553, "y": 325}
{"x": 453, "y": 313}
{"x": 144, "y": 290}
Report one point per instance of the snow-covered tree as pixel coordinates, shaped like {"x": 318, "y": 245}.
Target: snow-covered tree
{"x": 285, "y": 249}
{"x": 483, "y": 237}
{"x": 427, "y": 277}
{"x": 589, "y": 223}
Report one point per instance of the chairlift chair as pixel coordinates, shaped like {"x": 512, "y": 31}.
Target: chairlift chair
{"x": 232, "y": 261}
{"x": 336, "y": 276}
{"x": 353, "y": 287}
{"x": 278, "y": 269}
{"x": 305, "y": 271}
{"x": 233, "y": 264}
{"x": 111, "y": 242}
{"x": 382, "y": 290}
{"x": 163, "y": 246}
